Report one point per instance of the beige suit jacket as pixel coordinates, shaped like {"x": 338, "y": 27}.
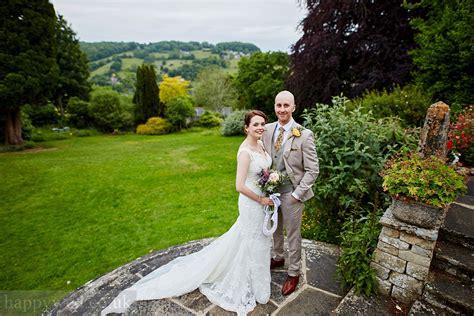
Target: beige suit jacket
{"x": 300, "y": 158}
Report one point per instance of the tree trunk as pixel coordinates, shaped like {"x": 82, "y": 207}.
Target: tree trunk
{"x": 59, "y": 104}
{"x": 13, "y": 127}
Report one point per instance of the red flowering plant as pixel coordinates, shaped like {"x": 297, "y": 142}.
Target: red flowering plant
{"x": 461, "y": 135}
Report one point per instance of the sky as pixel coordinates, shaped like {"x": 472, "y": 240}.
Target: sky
{"x": 272, "y": 25}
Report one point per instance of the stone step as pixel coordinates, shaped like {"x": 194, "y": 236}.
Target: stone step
{"x": 470, "y": 185}
{"x": 449, "y": 293}
{"x": 458, "y": 224}
{"x": 454, "y": 259}
{"x": 354, "y": 304}
{"x": 420, "y": 308}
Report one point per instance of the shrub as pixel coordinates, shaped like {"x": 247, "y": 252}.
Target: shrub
{"x": 358, "y": 242}
{"x": 42, "y": 115}
{"x": 209, "y": 120}
{"x": 154, "y": 126}
{"x": 109, "y": 112}
{"x": 234, "y": 124}
{"x": 178, "y": 109}
{"x": 78, "y": 113}
{"x": 461, "y": 135}
{"x": 85, "y": 132}
{"x": 26, "y": 126}
{"x": 352, "y": 147}
{"x": 429, "y": 181}
{"x": 409, "y": 104}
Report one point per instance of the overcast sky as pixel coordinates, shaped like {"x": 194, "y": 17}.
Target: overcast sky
{"x": 269, "y": 24}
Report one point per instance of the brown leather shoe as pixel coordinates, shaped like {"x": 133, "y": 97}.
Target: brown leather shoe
{"x": 276, "y": 263}
{"x": 290, "y": 285}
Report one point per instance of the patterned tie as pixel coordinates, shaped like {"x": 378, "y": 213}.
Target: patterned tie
{"x": 279, "y": 140}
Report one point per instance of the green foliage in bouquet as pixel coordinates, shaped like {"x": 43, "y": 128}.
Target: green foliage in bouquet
{"x": 429, "y": 181}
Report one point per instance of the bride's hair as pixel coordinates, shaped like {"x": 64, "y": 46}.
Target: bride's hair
{"x": 248, "y": 116}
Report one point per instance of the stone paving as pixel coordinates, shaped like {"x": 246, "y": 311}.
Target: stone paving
{"x": 318, "y": 292}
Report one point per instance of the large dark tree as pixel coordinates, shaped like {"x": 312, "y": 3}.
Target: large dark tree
{"x": 348, "y": 47}
{"x": 73, "y": 69}
{"x": 146, "y": 97}
{"x": 28, "y": 69}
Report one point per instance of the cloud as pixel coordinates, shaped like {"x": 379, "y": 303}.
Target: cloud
{"x": 271, "y": 25}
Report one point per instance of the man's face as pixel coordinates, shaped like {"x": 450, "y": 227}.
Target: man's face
{"x": 284, "y": 108}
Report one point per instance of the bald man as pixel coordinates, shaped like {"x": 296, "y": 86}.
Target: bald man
{"x": 294, "y": 154}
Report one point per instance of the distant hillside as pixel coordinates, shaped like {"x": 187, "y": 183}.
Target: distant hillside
{"x": 115, "y": 63}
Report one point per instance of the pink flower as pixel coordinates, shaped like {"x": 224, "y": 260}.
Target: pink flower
{"x": 274, "y": 177}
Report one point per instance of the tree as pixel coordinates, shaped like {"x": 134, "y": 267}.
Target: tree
{"x": 172, "y": 87}
{"x": 28, "y": 69}
{"x": 214, "y": 90}
{"x": 73, "y": 68}
{"x": 349, "y": 47}
{"x": 260, "y": 77}
{"x": 78, "y": 111}
{"x": 146, "y": 97}
{"x": 445, "y": 54}
{"x": 178, "y": 109}
{"x": 109, "y": 112}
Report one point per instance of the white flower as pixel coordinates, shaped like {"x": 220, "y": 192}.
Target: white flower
{"x": 274, "y": 177}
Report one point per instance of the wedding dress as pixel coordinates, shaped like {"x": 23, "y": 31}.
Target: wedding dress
{"x": 233, "y": 271}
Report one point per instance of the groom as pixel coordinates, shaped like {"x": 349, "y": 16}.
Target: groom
{"x": 294, "y": 154}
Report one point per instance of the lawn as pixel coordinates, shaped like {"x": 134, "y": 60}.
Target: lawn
{"x": 128, "y": 63}
{"x": 80, "y": 207}
{"x": 101, "y": 70}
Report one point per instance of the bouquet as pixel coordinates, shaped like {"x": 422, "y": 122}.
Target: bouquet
{"x": 269, "y": 180}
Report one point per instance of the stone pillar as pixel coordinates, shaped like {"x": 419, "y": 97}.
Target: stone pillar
{"x": 403, "y": 257}
{"x": 434, "y": 134}
{"x": 407, "y": 241}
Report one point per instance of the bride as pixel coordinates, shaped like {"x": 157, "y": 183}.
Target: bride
{"x": 234, "y": 270}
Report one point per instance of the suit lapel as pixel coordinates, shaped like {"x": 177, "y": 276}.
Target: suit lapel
{"x": 289, "y": 142}
{"x": 268, "y": 137}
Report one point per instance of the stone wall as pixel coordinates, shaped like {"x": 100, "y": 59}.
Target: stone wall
{"x": 403, "y": 257}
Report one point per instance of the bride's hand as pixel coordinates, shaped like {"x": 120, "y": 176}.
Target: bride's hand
{"x": 266, "y": 201}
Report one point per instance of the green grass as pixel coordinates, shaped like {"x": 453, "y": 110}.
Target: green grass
{"x": 173, "y": 63}
{"x": 233, "y": 67}
{"x": 101, "y": 70}
{"x": 160, "y": 55}
{"x": 200, "y": 54}
{"x": 128, "y": 63}
{"x": 81, "y": 207}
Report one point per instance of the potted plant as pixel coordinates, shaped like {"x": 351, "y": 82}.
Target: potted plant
{"x": 421, "y": 188}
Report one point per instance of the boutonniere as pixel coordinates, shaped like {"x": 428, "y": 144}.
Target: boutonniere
{"x": 296, "y": 132}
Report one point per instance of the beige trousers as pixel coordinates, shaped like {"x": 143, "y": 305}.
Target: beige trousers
{"x": 289, "y": 218}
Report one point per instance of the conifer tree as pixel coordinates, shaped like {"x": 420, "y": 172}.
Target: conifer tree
{"x": 73, "y": 68}
{"x": 28, "y": 68}
{"x": 146, "y": 97}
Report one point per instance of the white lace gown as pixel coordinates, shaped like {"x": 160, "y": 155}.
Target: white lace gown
{"x": 233, "y": 271}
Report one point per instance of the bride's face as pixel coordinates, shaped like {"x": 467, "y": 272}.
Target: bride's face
{"x": 256, "y": 127}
